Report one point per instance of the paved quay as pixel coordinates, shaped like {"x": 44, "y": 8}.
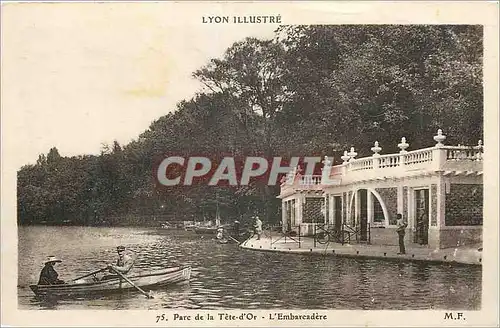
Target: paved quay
{"x": 458, "y": 255}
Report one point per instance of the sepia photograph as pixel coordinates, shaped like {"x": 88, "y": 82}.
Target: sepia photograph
{"x": 222, "y": 166}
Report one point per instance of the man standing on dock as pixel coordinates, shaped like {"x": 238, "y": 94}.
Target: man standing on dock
{"x": 401, "y": 233}
{"x": 258, "y": 227}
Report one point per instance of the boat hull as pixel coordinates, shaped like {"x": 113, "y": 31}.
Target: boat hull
{"x": 205, "y": 230}
{"x": 82, "y": 287}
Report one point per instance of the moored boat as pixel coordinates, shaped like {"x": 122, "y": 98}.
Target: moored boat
{"x": 85, "y": 287}
{"x": 211, "y": 230}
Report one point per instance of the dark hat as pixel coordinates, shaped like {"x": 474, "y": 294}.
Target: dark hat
{"x": 120, "y": 248}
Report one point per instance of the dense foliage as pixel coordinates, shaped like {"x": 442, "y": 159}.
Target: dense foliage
{"x": 312, "y": 90}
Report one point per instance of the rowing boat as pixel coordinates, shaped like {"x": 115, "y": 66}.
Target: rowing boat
{"x": 208, "y": 230}
{"x": 84, "y": 287}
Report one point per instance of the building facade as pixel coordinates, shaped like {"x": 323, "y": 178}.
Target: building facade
{"x": 438, "y": 190}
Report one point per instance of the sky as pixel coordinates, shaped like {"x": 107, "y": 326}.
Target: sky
{"x": 75, "y": 76}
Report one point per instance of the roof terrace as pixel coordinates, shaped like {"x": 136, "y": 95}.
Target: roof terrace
{"x": 448, "y": 160}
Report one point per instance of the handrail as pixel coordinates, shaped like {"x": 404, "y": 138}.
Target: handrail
{"x": 419, "y": 156}
{"x": 431, "y": 158}
{"x": 389, "y": 161}
{"x": 327, "y": 233}
{"x": 461, "y": 147}
{"x": 290, "y": 234}
{"x": 365, "y": 163}
{"x": 310, "y": 180}
{"x": 464, "y": 154}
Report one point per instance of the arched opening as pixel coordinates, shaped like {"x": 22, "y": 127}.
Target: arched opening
{"x": 378, "y": 213}
{"x": 352, "y": 211}
{"x": 367, "y": 209}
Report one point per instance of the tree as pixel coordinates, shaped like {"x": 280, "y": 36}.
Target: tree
{"x": 312, "y": 90}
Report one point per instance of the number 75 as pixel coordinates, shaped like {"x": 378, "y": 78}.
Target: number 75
{"x": 160, "y": 318}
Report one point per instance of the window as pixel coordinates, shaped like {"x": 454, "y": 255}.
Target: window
{"x": 313, "y": 210}
{"x": 290, "y": 213}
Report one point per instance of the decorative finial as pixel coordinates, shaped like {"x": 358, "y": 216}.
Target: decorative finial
{"x": 352, "y": 153}
{"x": 403, "y": 145}
{"x": 376, "y": 149}
{"x": 439, "y": 138}
{"x": 346, "y": 157}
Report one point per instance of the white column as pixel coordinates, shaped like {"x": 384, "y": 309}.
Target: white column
{"x": 344, "y": 208}
{"x": 332, "y": 209}
{"x": 438, "y": 158}
{"x": 356, "y": 208}
{"x": 411, "y": 207}
{"x": 400, "y": 201}
{"x": 369, "y": 207}
{"x": 284, "y": 215}
{"x": 325, "y": 210}
{"x": 298, "y": 213}
{"x": 441, "y": 203}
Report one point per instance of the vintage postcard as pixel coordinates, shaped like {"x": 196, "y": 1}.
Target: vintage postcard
{"x": 249, "y": 164}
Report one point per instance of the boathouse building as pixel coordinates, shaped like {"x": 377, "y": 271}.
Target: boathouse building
{"x": 438, "y": 190}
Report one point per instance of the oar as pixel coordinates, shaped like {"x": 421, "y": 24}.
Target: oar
{"x": 130, "y": 282}
{"x": 89, "y": 274}
{"x": 233, "y": 239}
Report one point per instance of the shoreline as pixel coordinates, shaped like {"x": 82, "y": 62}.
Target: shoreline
{"x": 454, "y": 256}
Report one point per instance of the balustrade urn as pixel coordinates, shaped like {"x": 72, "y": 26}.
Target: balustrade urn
{"x": 403, "y": 145}
{"x": 376, "y": 149}
{"x": 439, "y": 138}
{"x": 352, "y": 154}
{"x": 346, "y": 157}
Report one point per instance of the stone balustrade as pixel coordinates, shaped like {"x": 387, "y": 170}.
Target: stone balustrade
{"x": 440, "y": 158}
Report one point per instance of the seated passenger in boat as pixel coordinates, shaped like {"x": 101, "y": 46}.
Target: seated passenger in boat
{"x": 125, "y": 262}
{"x": 221, "y": 236}
{"x": 220, "y": 233}
{"x": 48, "y": 275}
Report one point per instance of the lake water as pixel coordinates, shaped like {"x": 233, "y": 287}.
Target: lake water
{"x": 226, "y": 277}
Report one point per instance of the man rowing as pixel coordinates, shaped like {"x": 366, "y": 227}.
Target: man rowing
{"x": 125, "y": 262}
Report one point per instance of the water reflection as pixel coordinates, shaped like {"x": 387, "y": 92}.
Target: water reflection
{"x": 224, "y": 276}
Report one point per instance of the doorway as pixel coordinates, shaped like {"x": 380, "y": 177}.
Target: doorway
{"x": 337, "y": 214}
{"x": 363, "y": 214}
{"x": 290, "y": 214}
{"x": 421, "y": 216}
